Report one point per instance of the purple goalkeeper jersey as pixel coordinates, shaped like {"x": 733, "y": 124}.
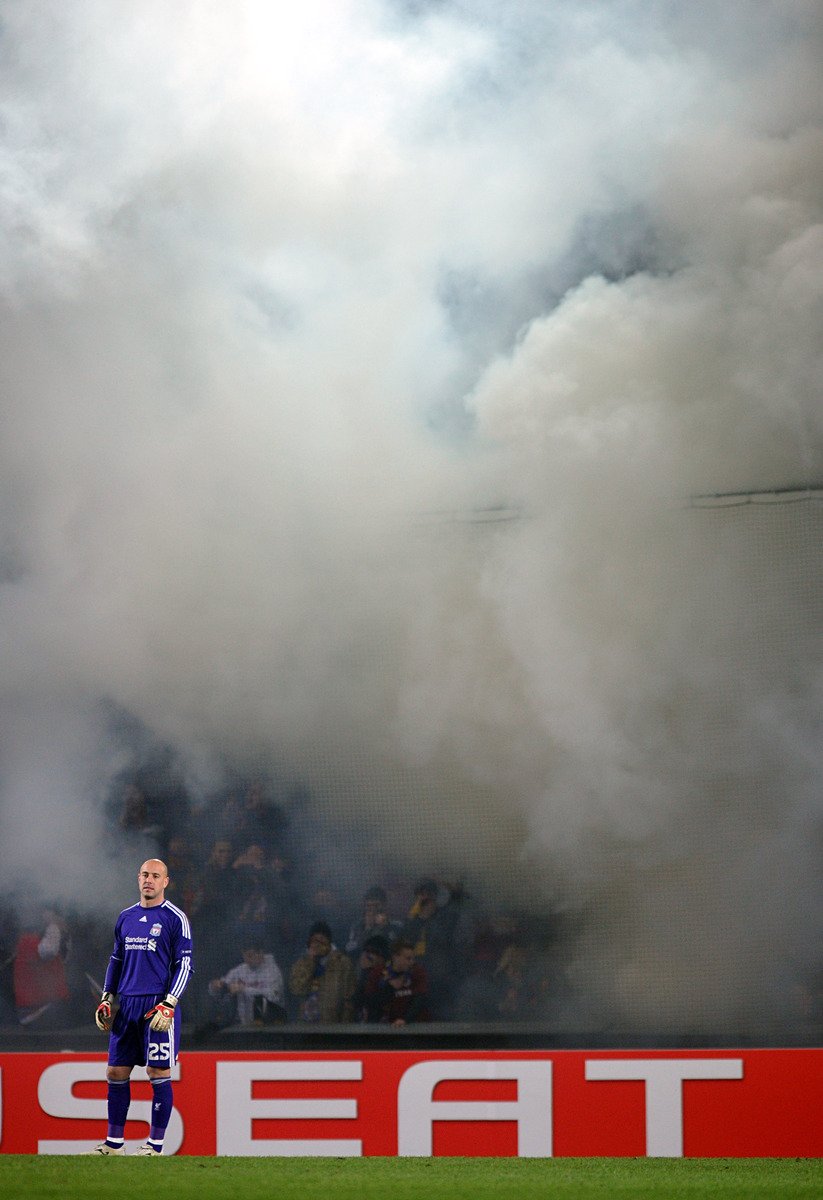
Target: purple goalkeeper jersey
{"x": 152, "y": 952}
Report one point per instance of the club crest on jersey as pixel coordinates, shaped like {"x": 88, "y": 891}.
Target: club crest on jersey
{"x": 156, "y": 930}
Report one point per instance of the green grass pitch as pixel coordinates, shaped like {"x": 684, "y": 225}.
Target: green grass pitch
{"x": 78, "y": 1178}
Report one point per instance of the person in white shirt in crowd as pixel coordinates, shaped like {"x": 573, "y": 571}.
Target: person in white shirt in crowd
{"x": 256, "y": 985}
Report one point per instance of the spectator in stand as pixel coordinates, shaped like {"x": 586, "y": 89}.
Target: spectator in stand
{"x": 323, "y": 979}
{"x": 250, "y": 866}
{"x": 213, "y": 917}
{"x": 522, "y": 984}
{"x": 479, "y": 994}
{"x": 375, "y": 920}
{"x": 259, "y": 820}
{"x": 324, "y": 904}
{"x": 397, "y": 992}
{"x": 41, "y": 990}
{"x": 216, "y": 881}
{"x": 253, "y": 990}
{"x": 184, "y": 879}
{"x": 215, "y": 903}
{"x": 375, "y": 953}
{"x": 227, "y": 811}
{"x": 431, "y": 930}
{"x": 286, "y": 938}
{"x": 221, "y": 856}
{"x": 491, "y": 937}
{"x": 256, "y": 916}
{"x": 134, "y": 815}
{"x": 135, "y": 827}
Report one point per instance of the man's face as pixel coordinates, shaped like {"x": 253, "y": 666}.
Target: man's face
{"x": 178, "y": 852}
{"x": 402, "y": 960}
{"x": 253, "y": 957}
{"x": 374, "y": 913}
{"x": 319, "y": 945}
{"x": 426, "y": 904}
{"x": 255, "y": 857}
{"x": 254, "y": 796}
{"x": 221, "y": 854}
{"x": 152, "y": 881}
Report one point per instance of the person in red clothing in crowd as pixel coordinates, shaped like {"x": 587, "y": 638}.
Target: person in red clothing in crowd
{"x": 375, "y": 953}
{"x": 397, "y": 992}
{"x": 41, "y": 989}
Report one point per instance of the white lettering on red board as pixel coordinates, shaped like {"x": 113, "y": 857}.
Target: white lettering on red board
{"x": 236, "y": 1109}
{"x": 664, "y": 1092}
{"x": 415, "y": 1106}
{"x": 417, "y": 1110}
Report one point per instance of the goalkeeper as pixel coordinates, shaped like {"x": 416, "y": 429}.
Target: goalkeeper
{"x": 150, "y": 965}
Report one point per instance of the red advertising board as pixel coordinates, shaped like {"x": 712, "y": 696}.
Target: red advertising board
{"x": 747, "y": 1103}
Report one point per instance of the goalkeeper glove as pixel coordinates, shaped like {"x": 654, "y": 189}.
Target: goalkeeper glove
{"x": 161, "y": 1016}
{"x": 102, "y": 1016}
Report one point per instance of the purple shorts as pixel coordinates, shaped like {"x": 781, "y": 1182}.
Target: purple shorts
{"x": 133, "y": 1044}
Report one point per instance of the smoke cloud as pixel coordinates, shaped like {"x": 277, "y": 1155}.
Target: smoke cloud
{"x": 359, "y": 361}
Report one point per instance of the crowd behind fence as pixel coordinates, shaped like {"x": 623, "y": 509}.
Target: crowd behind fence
{"x": 292, "y": 926}
{"x": 278, "y": 936}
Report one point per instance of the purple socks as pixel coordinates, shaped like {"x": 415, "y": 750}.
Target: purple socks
{"x": 119, "y": 1100}
{"x": 161, "y": 1106}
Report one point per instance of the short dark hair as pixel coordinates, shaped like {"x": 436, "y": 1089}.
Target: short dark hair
{"x": 377, "y": 945}
{"x": 376, "y": 893}
{"x": 427, "y": 887}
{"x": 322, "y": 927}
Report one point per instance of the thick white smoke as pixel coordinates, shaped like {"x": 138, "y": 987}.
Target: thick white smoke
{"x": 282, "y": 287}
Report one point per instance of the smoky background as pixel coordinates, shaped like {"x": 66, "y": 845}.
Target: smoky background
{"x": 362, "y": 369}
